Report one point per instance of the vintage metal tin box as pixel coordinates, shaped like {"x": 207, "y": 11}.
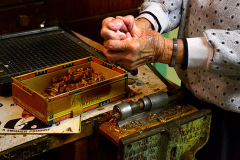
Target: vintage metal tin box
{"x": 27, "y": 90}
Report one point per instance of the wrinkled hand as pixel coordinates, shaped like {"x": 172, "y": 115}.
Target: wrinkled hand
{"x": 130, "y": 45}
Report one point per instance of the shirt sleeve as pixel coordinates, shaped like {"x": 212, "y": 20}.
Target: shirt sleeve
{"x": 164, "y": 15}
{"x": 199, "y": 53}
{"x": 225, "y": 46}
{"x": 218, "y": 51}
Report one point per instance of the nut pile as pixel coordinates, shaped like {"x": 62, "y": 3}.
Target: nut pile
{"x": 75, "y": 78}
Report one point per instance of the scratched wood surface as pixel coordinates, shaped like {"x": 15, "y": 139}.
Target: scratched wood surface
{"x": 144, "y": 83}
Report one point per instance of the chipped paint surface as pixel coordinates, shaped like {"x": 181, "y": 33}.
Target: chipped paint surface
{"x": 13, "y": 120}
{"x": 9, "y": 141}
{"x": 10, "y": 137}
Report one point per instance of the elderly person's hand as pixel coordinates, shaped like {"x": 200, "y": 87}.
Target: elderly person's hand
{"x": 131, "y": 44}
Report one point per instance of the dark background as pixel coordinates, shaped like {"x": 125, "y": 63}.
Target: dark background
{"x": 82, "y": 16}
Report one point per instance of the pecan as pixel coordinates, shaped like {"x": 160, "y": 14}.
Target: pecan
{"x": 62, "y": 89}
{"x": 88, "y": 72}
{"x": 71, "y": 71}
{"x": 66, "y": 79}
{"x": 61, "y": 83}
{"x": 75, "y": 78}
{"x": 45, "y": 94}
{"x": 52, "y": 90}
{"x": 55, "y": 79}
{"x": 55, "y": 85}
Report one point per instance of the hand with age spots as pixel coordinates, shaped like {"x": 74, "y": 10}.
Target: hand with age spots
{"x": 131, "y": 43}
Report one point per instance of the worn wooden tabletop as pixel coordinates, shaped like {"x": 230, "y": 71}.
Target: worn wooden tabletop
{"x": 24, "y": 146}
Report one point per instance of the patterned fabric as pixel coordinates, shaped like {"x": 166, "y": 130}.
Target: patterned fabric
{"x": 219, "y": 23}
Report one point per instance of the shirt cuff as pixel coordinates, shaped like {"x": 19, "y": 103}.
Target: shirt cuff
{"x": 151, "y": 19}
{"x": 199, "y": 53}
{"x": 157, "y": 16}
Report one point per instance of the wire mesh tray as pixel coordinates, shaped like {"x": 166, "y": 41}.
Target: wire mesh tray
{"x": 29, "y": 51}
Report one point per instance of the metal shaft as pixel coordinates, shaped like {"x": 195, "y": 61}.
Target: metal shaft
{"x": 150, "y": 102}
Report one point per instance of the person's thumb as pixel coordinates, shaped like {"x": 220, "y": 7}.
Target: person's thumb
{"x": 129, "y": 21}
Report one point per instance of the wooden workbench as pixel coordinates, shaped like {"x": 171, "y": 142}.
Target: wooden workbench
{"x": 26, "y": 146}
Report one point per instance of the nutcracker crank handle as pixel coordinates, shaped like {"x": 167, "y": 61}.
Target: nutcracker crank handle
{"x": 134, "y": 72}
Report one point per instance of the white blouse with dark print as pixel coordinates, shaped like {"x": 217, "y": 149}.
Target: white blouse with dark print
{"x": 212, "y": 32}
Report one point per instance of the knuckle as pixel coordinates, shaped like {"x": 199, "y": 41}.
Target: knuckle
{"x": 104, "y": 33}
{"x": 105, "y": 44}
{"x": 130, "y": 17}
{"x": 119, "y": 17}
{"x": 133, "y": 47}
{"x": 125, "y": 46}
{"x": 108, "y": 56}
{"x": 110, "y": 44}
{"x": 130, "y": 58}
{"x": 106, "y": 20}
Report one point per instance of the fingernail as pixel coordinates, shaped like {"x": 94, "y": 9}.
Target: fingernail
{"x": 113, "y": 25}
{"x": 123, "y": 36}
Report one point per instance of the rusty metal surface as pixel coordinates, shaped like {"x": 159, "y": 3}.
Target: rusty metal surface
{"x": 111, "y": 130}
{"x": 179, "y": 139}
{"x": 175, "y": 137}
